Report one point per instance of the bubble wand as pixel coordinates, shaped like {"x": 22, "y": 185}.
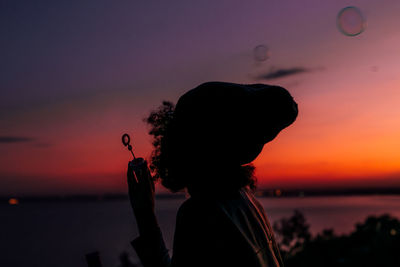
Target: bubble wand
{"x": 126, "y": 141}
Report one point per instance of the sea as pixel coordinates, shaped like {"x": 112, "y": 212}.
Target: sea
{"x": 49, "y": 234}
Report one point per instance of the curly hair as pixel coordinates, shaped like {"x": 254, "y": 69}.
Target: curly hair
{"x": 178, "y": 170}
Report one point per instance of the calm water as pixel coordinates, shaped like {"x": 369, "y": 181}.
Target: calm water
{"x": 60, "y": 234}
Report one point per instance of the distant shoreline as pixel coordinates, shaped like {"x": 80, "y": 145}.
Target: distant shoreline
{"x": 271, "y": 193}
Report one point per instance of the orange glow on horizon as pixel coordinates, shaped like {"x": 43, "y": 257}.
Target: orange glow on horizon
{"x": 13, "y": 201}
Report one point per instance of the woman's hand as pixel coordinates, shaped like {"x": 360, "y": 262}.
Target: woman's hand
{"x": 141, "y": 194}
{"x": 141, "y": 186}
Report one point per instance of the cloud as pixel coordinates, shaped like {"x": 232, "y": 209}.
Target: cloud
{"x": 15, "y": 139}
{"x": 280, "y": 73}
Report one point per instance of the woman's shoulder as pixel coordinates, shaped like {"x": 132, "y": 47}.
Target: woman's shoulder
{"x": 199, "y": 210}
{"x": 207, "y": 207}
{"x": 210, "y": 202}
{"x": 196, "y": 205}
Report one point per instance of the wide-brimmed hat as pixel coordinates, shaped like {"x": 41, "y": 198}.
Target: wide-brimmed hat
{"x": 229, "y": 122}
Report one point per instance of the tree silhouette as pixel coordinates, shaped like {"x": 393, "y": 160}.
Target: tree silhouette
{"x": 375, "y": 242}
{"x": 292, "y": 233}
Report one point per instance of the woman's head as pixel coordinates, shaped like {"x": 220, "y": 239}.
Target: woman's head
{"x": 216, "y": 130}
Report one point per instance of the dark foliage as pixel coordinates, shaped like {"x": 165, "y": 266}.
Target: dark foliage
{"x": 375, "y": 242}
{"x": 292, "y": 233}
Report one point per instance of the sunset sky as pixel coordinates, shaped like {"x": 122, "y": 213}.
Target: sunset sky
{"x": 76, "y": 75}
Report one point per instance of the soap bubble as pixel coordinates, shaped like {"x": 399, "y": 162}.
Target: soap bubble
{"x": 350, "y": 21}
{"x": 261, "y": 53}
{"x": 374, "y": 68}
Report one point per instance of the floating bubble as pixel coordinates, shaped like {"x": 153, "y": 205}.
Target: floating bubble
{"x": 261, "y": 53}
{"x": 374, "y": 68}
{"x": 350, "y": 21}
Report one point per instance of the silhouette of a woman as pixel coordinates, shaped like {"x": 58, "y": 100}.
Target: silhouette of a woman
{"x": 217, "y": 129}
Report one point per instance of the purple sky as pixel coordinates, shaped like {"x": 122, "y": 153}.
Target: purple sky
{"x": 75, "y": 75}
